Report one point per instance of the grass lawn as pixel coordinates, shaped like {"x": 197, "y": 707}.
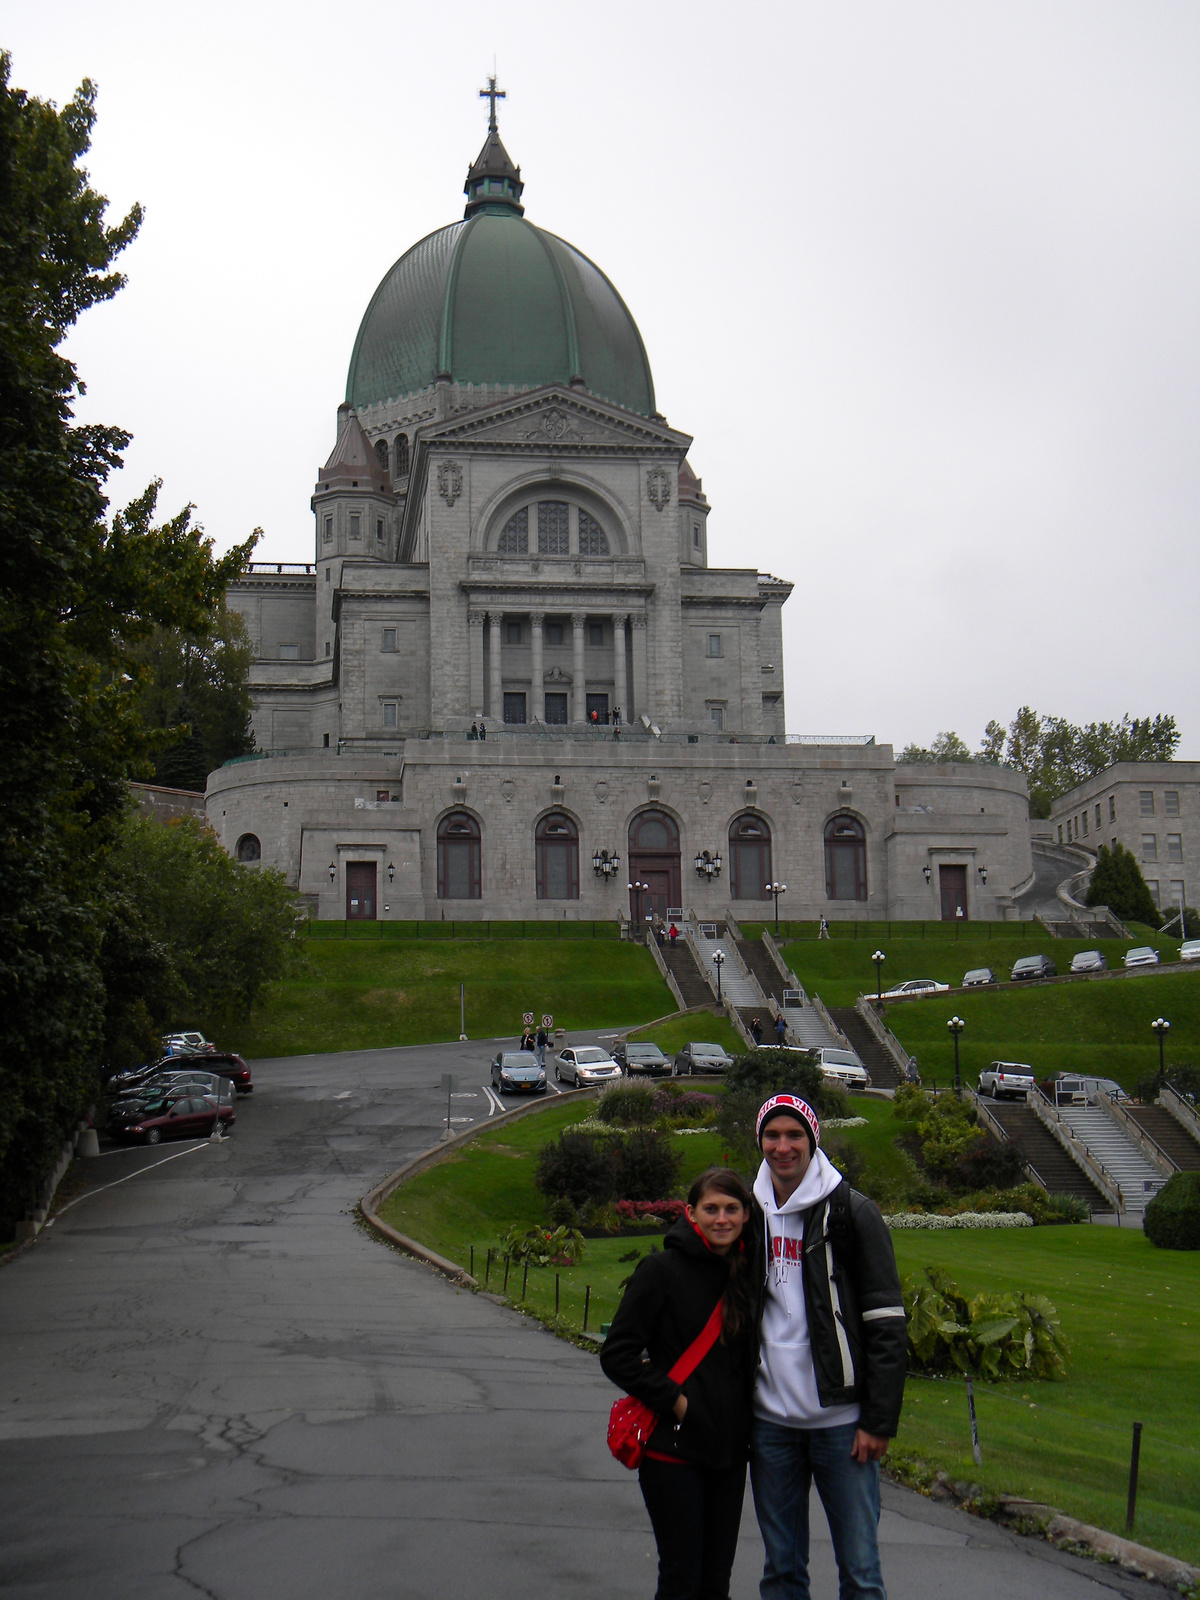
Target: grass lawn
{"x": 353, "y": 994}
{"x": 1131, "y": 1315}
{"x": 699, "y": 1028}
{"x": 1100, "y": 1027}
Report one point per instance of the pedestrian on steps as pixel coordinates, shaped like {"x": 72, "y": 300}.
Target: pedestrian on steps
{"x": 780, "y": 1030}
{"x": 756, "y": 1030}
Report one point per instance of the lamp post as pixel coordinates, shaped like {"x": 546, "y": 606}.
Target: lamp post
{"x": 719, "y": 962}
{"x": 775, "y": 890}
{"x": 606, "y": 864}
{"x": 879, "y": 958}
{"x": 1161, "y": 1027}
{"x": 637, "y": 890}
{"x": 332, "y": 873}
{"x": 708, "y": 865}
{"x": 956, "y": 1026}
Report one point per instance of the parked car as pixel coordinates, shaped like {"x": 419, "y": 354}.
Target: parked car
{"x": 1030, "y": 967}
{"x": 193, "y": 1118}
{"x": 1075, "y": 1089}
{"x": 517, "y": 1072}
{"x": 702, "y": 1058}
{"x": 188, "y": 1078}
{"x": 232, "y": 1065}
{"x": 186, "y": 1044}
{"x": 122, "y": 1114}
{"x": 977, "y": 977}
{"x": 643, "y": 1060}
{"x": 1007, "y": 1080}
{"x": 1189, "y": 950}
{"x": 1089, "y": 961}
{"x": 843, "y": 1066}
{"x": 584, "y": 1064}
{"x": 916, "y": 986}
{"x": 1141, "y": 956}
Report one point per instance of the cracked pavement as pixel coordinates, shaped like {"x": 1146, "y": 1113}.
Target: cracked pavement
{"x": 214, "y": 1382}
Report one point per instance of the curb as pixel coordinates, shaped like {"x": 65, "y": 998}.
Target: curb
{"x": 428, "y": 1158}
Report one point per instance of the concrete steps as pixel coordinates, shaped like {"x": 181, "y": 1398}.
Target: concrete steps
{"x": 681, "y": 964}
{"x": 1045, "y": 1155}
{"x": 1125, "y": 1164}
{"x": 1170, "y": 1135}
{"x": 867, "y": 1047}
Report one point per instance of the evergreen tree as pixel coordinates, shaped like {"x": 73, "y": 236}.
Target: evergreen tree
{"x": 1117, "y": 883}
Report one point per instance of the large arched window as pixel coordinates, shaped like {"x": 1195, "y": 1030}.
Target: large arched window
{"x": 593, "y": 541}
{"x": 557, "y": 845}
{"x": 654, "y": 830}
{"x": 402, "y": 455}
{"x": 514, "y": 541}
{"x": 845, "y": 859}
{"x": 248, "y": 848}
{"x": 749, "y": 859}
{"x": 382, "y": 451}
{"x": 554, "y": 528}
{"x": 551, "y": 528}
{"x": 458, "y": 857}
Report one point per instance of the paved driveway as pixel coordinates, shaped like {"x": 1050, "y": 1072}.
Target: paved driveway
{"x": 212, "y": 1381}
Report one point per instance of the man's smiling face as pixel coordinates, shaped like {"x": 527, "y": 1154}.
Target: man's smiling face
{"x": 787, "y": 1150}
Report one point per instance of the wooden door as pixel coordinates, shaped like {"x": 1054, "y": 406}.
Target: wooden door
{"x": 360, "y": 891}
{"x": 953, "y": 884}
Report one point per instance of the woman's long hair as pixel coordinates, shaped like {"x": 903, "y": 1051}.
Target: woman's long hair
{"x": 739, "y": 1299}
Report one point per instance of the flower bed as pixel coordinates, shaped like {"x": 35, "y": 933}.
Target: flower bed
{"x": 650, "y": 1210}
{"x": 965, "y": 1219}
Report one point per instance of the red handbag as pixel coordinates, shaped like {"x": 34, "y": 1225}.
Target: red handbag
{"x": 631, "y": 1422}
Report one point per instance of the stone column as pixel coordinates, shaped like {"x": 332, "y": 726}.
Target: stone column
{"x": 639, "y": 689}
{"x": 579, "y": 687}
{"x": 475, "y": 624}
{"x": 496, "y": 698}
{"x": 536, "y": 711}
{"x": 620, "y": 694}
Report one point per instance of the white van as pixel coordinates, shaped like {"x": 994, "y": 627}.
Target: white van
{"x": 843, "y": 1065}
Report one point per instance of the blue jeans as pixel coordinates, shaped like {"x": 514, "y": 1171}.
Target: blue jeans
{"x": 783, "y": 1465}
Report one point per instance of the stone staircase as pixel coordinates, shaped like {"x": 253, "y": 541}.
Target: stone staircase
{"x": 1168, "y": 1134}
{"x": 761, "y": 968}
{"x": 681, "y": 964}
{"x": 1125, "y": 1164}
{"x": 1045, "y": 1155}
{"x": 867, "y": 1047}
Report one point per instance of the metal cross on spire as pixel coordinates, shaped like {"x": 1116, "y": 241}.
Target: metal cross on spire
{"x": 492, "y": 94}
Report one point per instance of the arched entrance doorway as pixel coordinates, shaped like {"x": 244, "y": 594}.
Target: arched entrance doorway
{"x": 654, "y": 860}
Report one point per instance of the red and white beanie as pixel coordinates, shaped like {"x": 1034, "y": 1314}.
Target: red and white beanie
{"x": 790, "y": 1105}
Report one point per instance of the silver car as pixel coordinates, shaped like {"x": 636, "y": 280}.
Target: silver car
{"x": 1141, "y": 956}
{"x": 583, "y": 1065}
{"x": 1089, "y": 961}
{"x": 705, "y": 1059}
{"x": 1009, "y": 1080}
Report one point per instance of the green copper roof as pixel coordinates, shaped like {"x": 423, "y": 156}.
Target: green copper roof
{"x": 496, "y": 300}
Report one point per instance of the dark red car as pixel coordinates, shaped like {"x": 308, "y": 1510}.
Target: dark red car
{"x": 185, "y": 1119}
{"x": 229, "y": 1065}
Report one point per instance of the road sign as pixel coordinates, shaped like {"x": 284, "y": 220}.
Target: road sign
{"x": 527, "y": 1019}
{"x": 547, "y": 1021}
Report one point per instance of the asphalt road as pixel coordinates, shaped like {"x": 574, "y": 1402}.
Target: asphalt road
{"x": 213, "y": 1381}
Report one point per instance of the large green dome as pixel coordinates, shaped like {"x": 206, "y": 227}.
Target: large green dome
{"x": 494, "y": 299}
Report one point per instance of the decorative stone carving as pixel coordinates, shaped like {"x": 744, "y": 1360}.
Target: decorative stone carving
{"x": 658, "y": 487}
{"x": 476, "y": 617}
{"x": 653, "y": 788}
{"x": 637, "y": 619}
{"x": 537, "y": 618}
{"x": 706, "y": 791}
{"x": 449, "y": 481}
{"x": 797, "y": 792}
{"x": 557, "y": 675}
{"x": 601, "y": 790}
{"x": 555, "y": 427}
{"x": 578, "y": 618}
{"x": 508, "y": 788}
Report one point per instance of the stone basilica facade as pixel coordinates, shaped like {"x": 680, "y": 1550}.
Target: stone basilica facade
{"x": 509, "y": 537}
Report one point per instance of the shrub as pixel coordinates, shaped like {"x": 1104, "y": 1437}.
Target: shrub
{"x": 578, "y": 1167}
{"x": 561, "y": 1213}
{"x": 991, "y": 1336}
{"x": 1117, "y": 882}
{"x": 1065, "y": 1208}
{"x": 543, "y": 1247}
{"x": 692, "y": 1107}
{"x": 1172, "y": 1219}
{"x": 1184, "y": 1079}
{"x": 911, "y": 1103}
{"x": 988, "y": 1164}
{"x": 650, "y": 1210}
{"x": 627, "y": 1103}
{"x": 960, "y": 1219}
{"x": 647, "y": 1168}
{"x": 847, "y": 1158}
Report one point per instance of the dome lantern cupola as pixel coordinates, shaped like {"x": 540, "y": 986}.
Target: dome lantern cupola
{"x": 493, "y": 183}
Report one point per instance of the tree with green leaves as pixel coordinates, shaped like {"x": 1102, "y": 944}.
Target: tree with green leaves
{"x": 945, "y": 748}
{"x": 193, "y": 690}
{"x": 1117, "y": 883}
{"x": 78, "y": 593}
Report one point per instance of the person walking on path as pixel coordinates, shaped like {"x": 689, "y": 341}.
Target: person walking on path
{"x": 527, "y": 1039}
{"x": 832, "y": 1351}
{"x": 823, "y": 930}
{"x": 543, "y": 1039}
{"x": 756, "y": 1030}
{"x": 780, "y": 1029}
{"x": 673, "y": 935}
{"x": 693, "y": 1473}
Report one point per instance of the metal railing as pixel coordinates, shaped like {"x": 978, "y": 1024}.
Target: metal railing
{"x": 998, "y": 1131}
{"x": 1075, "y": 1147}
{"x": 790, "y": 979}
{"x": 883, "y": 1035}
{"x": 1132, "y": 1129}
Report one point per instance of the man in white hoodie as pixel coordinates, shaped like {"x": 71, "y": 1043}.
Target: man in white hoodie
{"x": 831, "y": 1362}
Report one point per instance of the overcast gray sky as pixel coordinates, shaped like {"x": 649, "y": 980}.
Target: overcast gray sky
{"x": 920, "y": 278}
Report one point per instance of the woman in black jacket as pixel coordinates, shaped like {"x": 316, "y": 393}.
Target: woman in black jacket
{"x": 693, "y": 1475}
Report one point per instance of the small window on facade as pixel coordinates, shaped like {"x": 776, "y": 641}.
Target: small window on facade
{"x": 326, "y": 741}
{"x": 381, "y": 450}
{"x": 1146, "y": 802}
{"x": 1171, "y": 802}
{"x": 328, "y": 532}
{"x": 1112, "y": 808}
{"x": 1060, "y": 837}
{"x": 512, "y": 631}
{"x": 1098, "y": 823}
{"x": 355, "y": 525}
{"x": 289, "y": 652}
{"x": 514, "y": 706}
{"x": 696, "y": 536}
{"x": 379, "y": 528}
{"x": 248, "y": 848}
{"x": 552, "y": 519}
{"x": 383, "y": 794}
{"x": 714, "y": 644}
{"x": 1149, "y": 847}
{"x": 593, "y": 541}
{"x": 554, "y": 633}
{"x": 327, "y": 572}
{"x": 595, "y": 633}
{"x": 1174, "y": 847}
{"x": 1152, "y": 885}
{"x": 389, "y": 639}
{"x": 401, "y": 455}
{"x": 1085, "y": 824}
{"x": 514, "y": 541}
{"x": 389, "y": 713}
{"x": 328, "y": 648}
{"x": 1177, "y": 892}
{"x": 716, "y": 715}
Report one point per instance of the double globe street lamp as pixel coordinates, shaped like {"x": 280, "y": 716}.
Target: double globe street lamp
{"x": 879, "y": 958}
{"x": 775, "y": 890}
{"x": 1161, "y": 1028}
{"x": 719, "y": 962}
{"x": 637, "y": 889}
{"x": 956, "y": 1026}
